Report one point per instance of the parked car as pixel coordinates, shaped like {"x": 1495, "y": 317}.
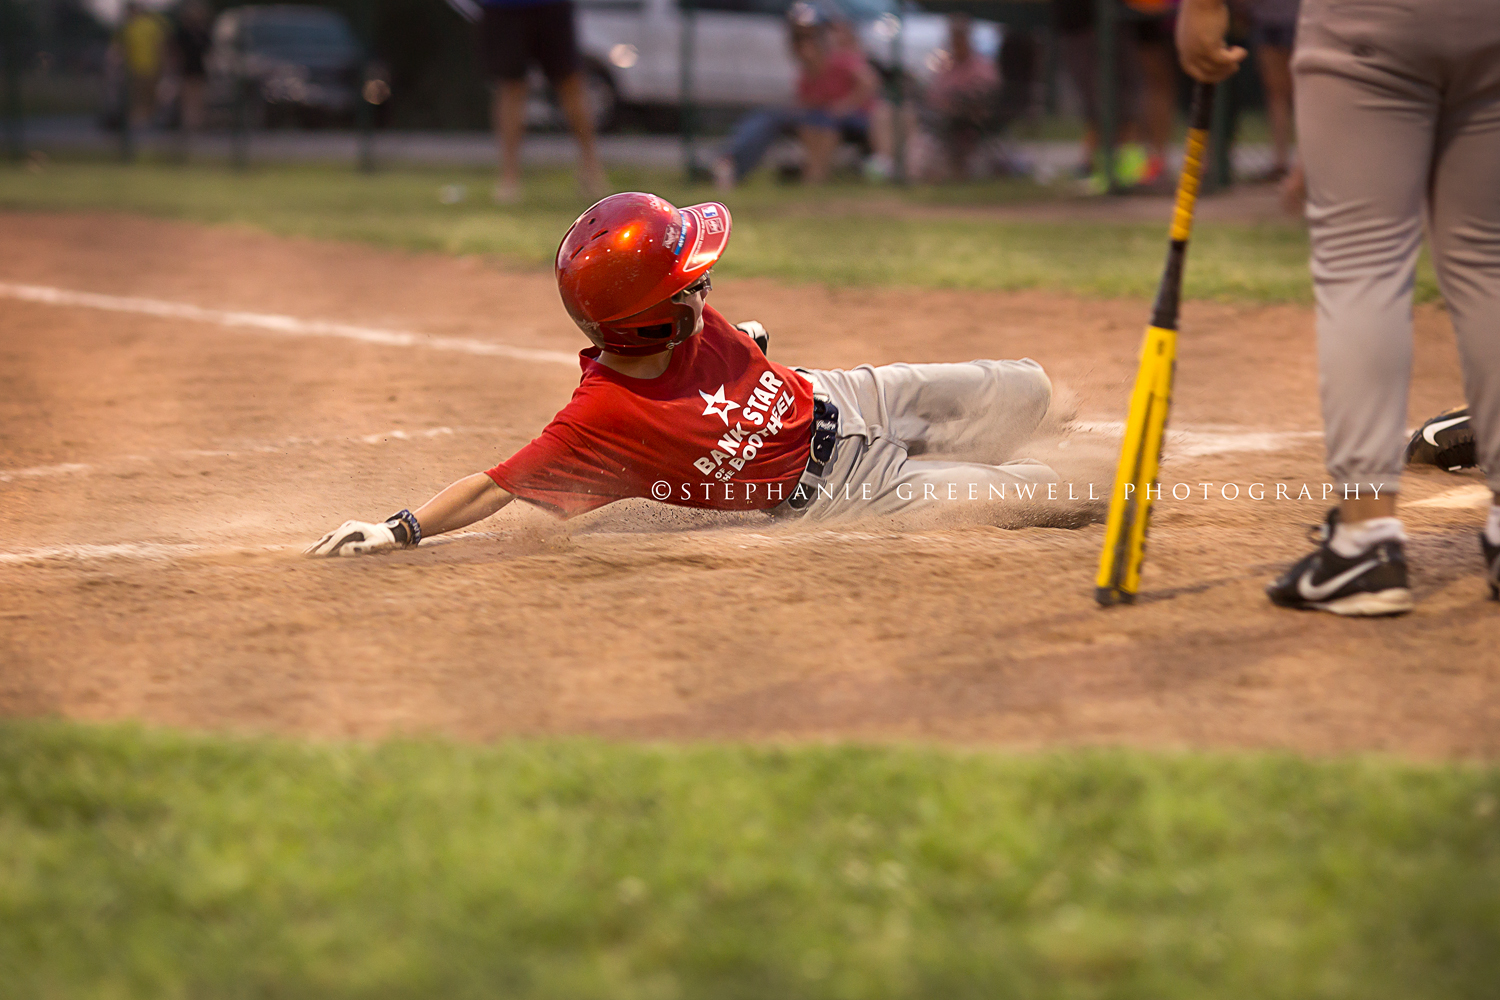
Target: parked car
{"x": 296, "y": 63}
{"x": 632, "y": 52}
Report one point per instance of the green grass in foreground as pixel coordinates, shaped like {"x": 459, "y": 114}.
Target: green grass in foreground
{"x": 150, "y": 864}
{"x": 843, "y": 235}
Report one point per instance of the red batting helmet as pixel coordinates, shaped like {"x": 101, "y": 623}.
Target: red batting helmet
{"x": 620, "y": 265}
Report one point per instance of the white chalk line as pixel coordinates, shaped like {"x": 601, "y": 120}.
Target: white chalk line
{"x": 65, "y": 469}
{"x": 1464, "y": 497}
{"x": 1181, "y": 442}
{"x": 289, "y": 326}
{"x": 1254, "y": 441}
{"x": 79, "y": 468}
{"x": 90, "y": 553}
{"x": 1477, "y": 495}
{"x": 1185, "y": 443}
{"x": 1198, "y": 442}
{"x": 171, "y": 551}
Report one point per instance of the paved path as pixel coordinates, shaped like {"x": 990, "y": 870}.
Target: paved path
{"x": 82, "y": 135}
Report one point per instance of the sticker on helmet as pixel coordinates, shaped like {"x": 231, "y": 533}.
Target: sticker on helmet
{"x": 714, "y": 225}
{"x": 710, "y": 211}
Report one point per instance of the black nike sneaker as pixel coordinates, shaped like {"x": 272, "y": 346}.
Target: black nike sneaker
{"x": 1491, "y": 565}
{"x": 1371, "y": 583}
{"x": 1446, "y": 441}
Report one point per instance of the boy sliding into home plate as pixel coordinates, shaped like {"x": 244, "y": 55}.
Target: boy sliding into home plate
{"x": 678, "y": 405}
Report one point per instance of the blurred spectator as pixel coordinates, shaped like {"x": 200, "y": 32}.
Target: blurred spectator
{"x": 841, "y": 31}
{"x": 1078, "y": 45}
{"x": 512, "y": 35}
{"x": 143, "y": 43}
{"x": 879, "y": 133}
{"x": 1156, "y": 54}
{"x": 837, "y": 94}
{"x": 961, "y": 97}
{"x": 1273, "y": 31}
{"x": 189, "y": 47}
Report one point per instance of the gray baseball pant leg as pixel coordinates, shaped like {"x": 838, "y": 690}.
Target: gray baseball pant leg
{"x": 1398, "y": 108}
{"x": 1465, "y": 222}
{"x": 977, "y": 409}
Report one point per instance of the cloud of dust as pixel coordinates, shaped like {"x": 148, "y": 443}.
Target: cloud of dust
{"x": 1080, "y": 460}
{"x": 1084, "y": 463}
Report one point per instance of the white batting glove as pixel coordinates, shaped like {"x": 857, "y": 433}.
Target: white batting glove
{"x": 756, "y": 332}
{"x": 355, "y": 538}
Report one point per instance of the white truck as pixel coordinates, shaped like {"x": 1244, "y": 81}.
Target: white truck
{"x": 632, "y": 51}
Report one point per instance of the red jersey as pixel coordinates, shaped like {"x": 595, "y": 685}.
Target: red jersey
{"x": 723, "y": 428}
{"x": 838, "y": 77}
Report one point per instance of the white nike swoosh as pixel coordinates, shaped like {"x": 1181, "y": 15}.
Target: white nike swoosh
{"x": 1311, "y": 592}
{"x": 1429, "y": 433}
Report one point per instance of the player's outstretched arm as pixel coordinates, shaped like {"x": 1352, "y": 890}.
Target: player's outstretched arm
{"x": 472, "y": 498}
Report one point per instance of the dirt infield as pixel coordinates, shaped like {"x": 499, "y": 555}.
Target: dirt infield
{"x": 160, "y": 473}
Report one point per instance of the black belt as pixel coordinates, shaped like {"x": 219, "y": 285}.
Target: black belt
{"x": 825, "y": 434}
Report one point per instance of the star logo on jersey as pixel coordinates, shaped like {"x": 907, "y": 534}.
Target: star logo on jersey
{"x": 717, "y": 400}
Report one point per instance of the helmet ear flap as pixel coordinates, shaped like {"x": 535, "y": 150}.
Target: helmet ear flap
{"x": 651, "y": 337}
{"x": 658, "y": 331}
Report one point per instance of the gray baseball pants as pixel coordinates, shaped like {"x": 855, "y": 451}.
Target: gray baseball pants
{"x": 976, "y": 410}
{"x": 1398, "y": 110}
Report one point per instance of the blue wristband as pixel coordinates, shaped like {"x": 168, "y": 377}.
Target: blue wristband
{"x": 412, "y": 525}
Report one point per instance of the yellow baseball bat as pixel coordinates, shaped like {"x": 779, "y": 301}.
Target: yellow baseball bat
{"x": 1119, "y": 577}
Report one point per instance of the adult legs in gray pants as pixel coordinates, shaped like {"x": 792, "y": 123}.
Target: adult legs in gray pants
{"x": 1398, "y": 111}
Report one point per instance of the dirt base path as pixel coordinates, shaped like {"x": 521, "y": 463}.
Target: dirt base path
{"x": 158, "y": 475}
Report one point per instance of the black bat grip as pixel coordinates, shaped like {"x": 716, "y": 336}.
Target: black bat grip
{"x": 1169, "y": 292}
{"x": 1201, "y": 111}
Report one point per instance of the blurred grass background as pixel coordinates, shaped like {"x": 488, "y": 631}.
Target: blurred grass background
{"x": 153, "y": 864}
{"x": 936, "y": 237}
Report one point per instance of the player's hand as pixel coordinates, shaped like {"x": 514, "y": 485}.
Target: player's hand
{"x": 1201, "y": 25}
{"x": 354, "y": 538}
{"x": 756, "y": 332}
